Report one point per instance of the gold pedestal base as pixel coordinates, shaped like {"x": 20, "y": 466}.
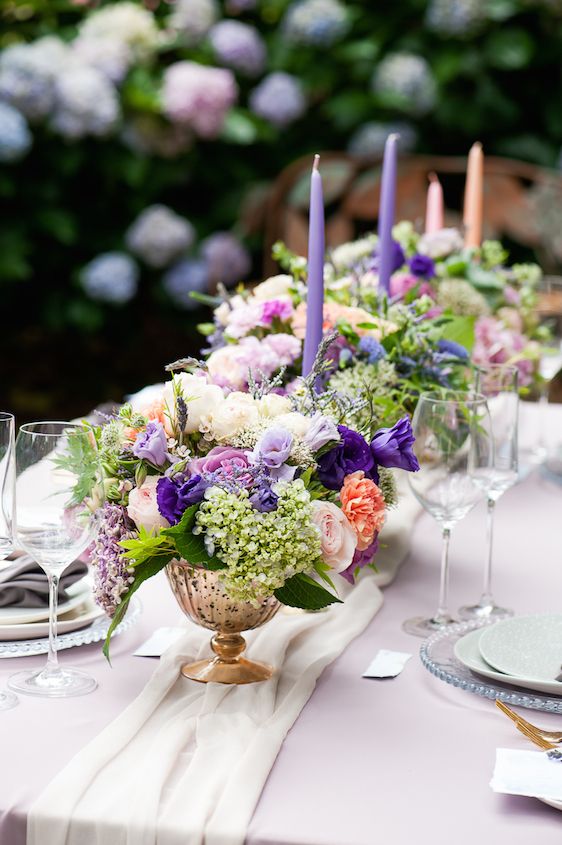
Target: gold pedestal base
{"x": 228, "y": 667}
{"x": 216, "y": 671}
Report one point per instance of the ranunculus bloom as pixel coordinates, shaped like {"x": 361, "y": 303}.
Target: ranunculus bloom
{"x": 338, "y": 540}
{"x": 363, "y": 505}
{"x": 272, "y": 405}
{"x": 152, "y": 444}
{"x": 392, "y": 447}
{"x": 350, "y": 454}
{"x": 201, "y": 399}
{"x": 143, "y": 507}
{"x": 175, "y": 496}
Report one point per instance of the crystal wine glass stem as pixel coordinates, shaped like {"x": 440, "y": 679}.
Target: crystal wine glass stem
{"x": 487, "y": 599}
{"x": 52, "y": 659}
{"x": 543, "y": 411}
{"x": 443, "y": 616}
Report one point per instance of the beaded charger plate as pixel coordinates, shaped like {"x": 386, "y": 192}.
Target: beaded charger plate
{"x": 94, "y": 633}
{"x": 438, "y": 657}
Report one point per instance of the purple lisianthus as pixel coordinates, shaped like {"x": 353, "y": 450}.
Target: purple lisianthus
{"x": 360, "y": 559}
{"x": 174, "y": 496}
{"x": 274, "y": 447}
{"x": 422, "y": 265}
{"x": 223, "y": 461}
{"x": 321, "y": 432}
{"x": 152, "y": 445}
{"x": 264, "y": 499}
{"x": 449, "y": 347}
{"x": 351, "y": 454}
{"x": 392, "y": 447}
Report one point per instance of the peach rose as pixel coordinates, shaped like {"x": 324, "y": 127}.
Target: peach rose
{"x": 337, "y": 537}
{"x": 363, "y": 504}
{"x": 333, "y": 312}
{"x": 143, "y": 507}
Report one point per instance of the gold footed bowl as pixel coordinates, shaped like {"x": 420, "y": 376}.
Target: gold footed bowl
{"x": 202, "y": 597}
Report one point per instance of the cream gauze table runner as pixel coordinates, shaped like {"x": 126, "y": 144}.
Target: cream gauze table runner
{"x": 185, "y": 763}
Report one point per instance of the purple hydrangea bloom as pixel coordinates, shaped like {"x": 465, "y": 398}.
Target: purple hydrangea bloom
{"x": 175, "y": 496}
{"x": 449, "y": 347}
{"x": 159, "y": 235}
{"x": 228, "y": 260}
{"x": 15, "y": 137}
{"x": 422, "y": 265}
{"x": 392, "y": 447}
{"x": 351, "y": 454}
{"x": 371, "y": 347}
{"x": 239, "y": 46}
{"x": 198, "y": 96}
{"x": 316, "y": 22}
{"x": 189, "y": 274}
{"x": 279, "y": 99}
{"x": 274, "y": 447}
{"x": 152, "y": 444}
{"x": 111, "y": 277}
{"x": 264, "y": 499}
{"x": 360, "y": 559}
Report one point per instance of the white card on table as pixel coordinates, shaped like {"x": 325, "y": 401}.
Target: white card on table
{"x": 158, "y": 642}
{"x": 527, "y": 773}
{"x": 386, "y": 664}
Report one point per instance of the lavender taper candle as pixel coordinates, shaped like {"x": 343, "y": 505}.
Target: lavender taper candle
{"x": 315, "y": 284}
{"x": 386, "y": 210}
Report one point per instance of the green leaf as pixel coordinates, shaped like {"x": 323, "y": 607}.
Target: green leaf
{"x": 301, "y": 591}
{"x": 191, "y": 546}
{"x": 148, "y": 569}
{"x": 484, "y": 279}
{"x": 460, "y": 330}
{"x": 239, "y": 128}
{"x": 206, "y": 328}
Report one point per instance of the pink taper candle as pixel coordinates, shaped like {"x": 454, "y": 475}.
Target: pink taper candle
{"x": 315, "y": 284}
{"x": 434, "y": 207}
{"x": 473, "y": 197}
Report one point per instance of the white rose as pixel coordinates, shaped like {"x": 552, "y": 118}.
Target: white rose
{"x": 236, "y": 412}
{"x": 143, "y": 507}
{"x": 224, "y": 366}
{"x": 338, "y": 539}
{"x": 276, "y": 287}
{"x": 294, "y": 422}
{"x": 272, "y": 405}
{"x": 221, "y": 313}
{"x": 200, "y": 397}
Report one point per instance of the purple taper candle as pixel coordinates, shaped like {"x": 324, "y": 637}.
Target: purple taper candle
{"x": 315, "y": 284}
{"x": 386, "y": 211}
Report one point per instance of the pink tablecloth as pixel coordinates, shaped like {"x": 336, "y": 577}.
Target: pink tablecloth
{"x": 391, "y": 761}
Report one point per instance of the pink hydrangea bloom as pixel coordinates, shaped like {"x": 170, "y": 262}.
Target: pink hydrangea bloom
{"x": 198, "y": 96}
{"x": 244, "y": 319}
{"x": 401, "y": 283}
{"x": 285, "y": 347}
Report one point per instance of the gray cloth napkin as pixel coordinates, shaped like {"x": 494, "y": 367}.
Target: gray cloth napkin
{"x": 24, "y": 584}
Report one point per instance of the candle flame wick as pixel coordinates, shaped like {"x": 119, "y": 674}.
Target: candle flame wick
{"x": 316, "y": 162}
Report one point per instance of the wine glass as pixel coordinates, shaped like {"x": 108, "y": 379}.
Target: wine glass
{"x": 7, "y": 508}
{"x": 453, "y": 444}
{"x": 57, "y": 470}
{"x": 498, "y": 382}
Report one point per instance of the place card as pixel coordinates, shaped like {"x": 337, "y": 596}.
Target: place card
{"x": 386, "y": 664}
{"x": 158, "y": 642}
{"x": 529, "y": 773}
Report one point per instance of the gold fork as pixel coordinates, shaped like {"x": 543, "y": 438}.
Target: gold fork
{"x": 530, "y": 730}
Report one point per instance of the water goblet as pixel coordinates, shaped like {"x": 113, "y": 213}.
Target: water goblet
{"x": 453, "y": 443}
{"x": 499, "y": 383}
{"x": 56, "y": 473}
{"x": 7, "y": 509}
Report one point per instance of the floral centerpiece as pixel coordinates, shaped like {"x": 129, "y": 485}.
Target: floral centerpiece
{"x": 275, "y": 494}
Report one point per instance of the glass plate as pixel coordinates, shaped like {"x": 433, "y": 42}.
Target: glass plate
{"x": 94, "y": 633}
{"x": 438, "y": 657}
